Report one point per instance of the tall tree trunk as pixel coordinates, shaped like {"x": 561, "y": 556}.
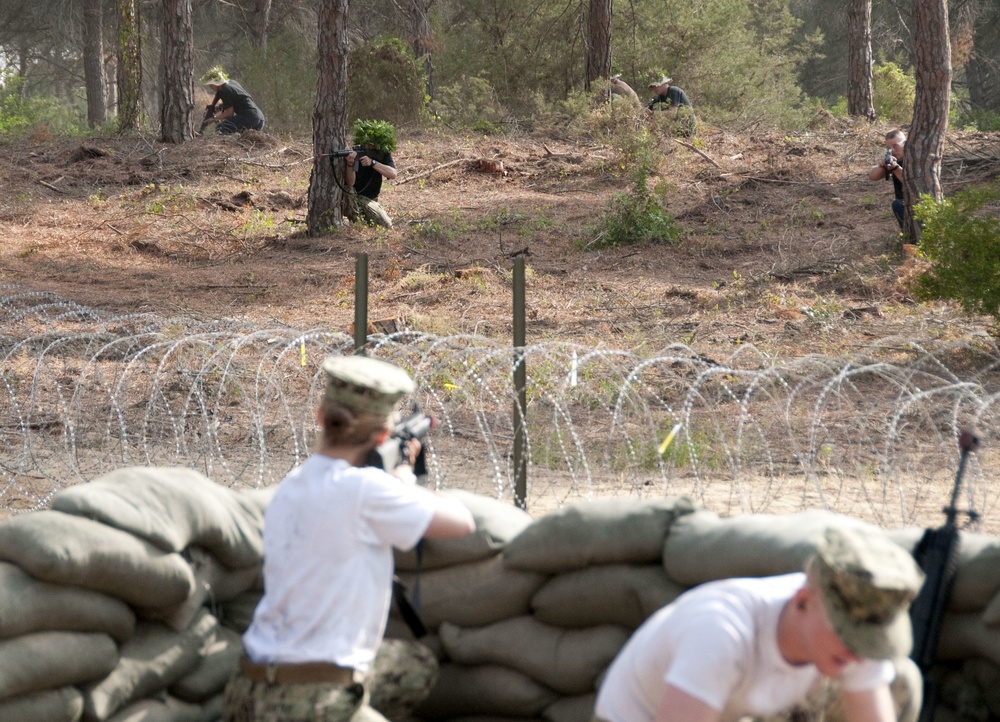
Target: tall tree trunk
{"x": 326, "y": 182}
{"x": 129, "y": 47}
{"x": 93, "y": 62}
{"x": 177, "y": 61}
{"x": 259, "y": 16}
{"x": 925, "y": 145}
{"x": 859, "y": 59}
{"x": 418, "y": 12}
{"x": 598, "y": 41}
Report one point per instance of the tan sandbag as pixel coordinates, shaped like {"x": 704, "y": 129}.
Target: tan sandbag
{"x": 167, "y": 710}
{"x": 29, "y": 605}
{"x": 52, "y": 705}
{"x": 624, "y": 594}
{"x": 600, "y": 531}
{"x": 571, "y": 709}
{"x": 703, "y": 546}
{"x": 237, "y": 613}
{"x": 49, "y": 660}
{"x": 472, "y": 595}
{"x": 66, "y": 549}
{"x": 489, "y": 690}
{"x": 151, "y": 661}
{"x": 497, "y": 522}
{"x": 565, "y": 660}
{"x": 219, "y": 660}
{"x": 173, "y": 508}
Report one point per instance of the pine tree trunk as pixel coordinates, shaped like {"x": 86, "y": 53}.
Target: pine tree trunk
{"x": 598, "y": 41}
{"x": 93, "y": 62}
{"x": 420, "y": 30}
{"x": 859, "y": 59}
{"x": 128, "y": 48}
{"x": 177, "y": 109}
{"x": 925, "y": 145}
{"x": 326, "y": 182}
{"x": 259, "y": 17}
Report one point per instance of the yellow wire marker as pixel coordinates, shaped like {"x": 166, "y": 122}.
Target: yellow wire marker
{"x": 670, "y": 437}
{"x": 302, "y": 352}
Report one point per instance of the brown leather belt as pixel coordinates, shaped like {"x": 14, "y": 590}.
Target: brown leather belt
{"x": 308, "y": 673}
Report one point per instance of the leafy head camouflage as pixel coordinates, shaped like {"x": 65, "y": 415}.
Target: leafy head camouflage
{"x": 867, "y": 582}
{"x": 376, "y": 133}
{"x": 215, "y": 76}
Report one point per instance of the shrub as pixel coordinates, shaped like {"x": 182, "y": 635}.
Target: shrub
{"x": 386, "y": 81}
{"x": 893, "y": 93}
{"x": 963, "y": 247}
{"x": 637, "y": 217}
{"x": 282, "y": 80}
{"x": 468, "y": 104}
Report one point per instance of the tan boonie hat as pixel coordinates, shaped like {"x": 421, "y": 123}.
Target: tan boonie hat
{"x": 867, "y": 582}
{"x": 661, "y": 81}
{"x": 365, "y": 384}
{"x": 215, "y": 76}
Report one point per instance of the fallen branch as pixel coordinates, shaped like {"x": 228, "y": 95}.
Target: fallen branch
{"x": 428, "y": 172}
{"x": 696, "y": 150}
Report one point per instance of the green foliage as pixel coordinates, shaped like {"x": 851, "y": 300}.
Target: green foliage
{"x": 963, "y": 246}
{"x": 469, "y": 103}
{"x": 637, "y": 217}
{"x": 893, "y": 93}
{"x": 983, "y": 121}
{"x": 377, "y": 133}
{"x": 282, "y": 80}
{"x": 386, "y": 81}
{"x": 21, "y": 115}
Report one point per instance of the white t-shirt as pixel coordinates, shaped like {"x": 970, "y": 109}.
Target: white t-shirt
{"x": 328, "y": 537}
{"x": 723, "y": 637}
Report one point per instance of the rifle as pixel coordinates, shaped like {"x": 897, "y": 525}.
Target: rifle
{"x": 343, "y": 153}
{"x": 209, "y": 114}
{"x": 389, "y": 454}
{"x": 937, "y": 555}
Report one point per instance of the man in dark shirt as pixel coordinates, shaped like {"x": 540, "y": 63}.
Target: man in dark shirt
{"x": 891, "y": 167}
{"x": 674, "y": 97}
{"x": 238, "y": 111}
{"x": 368, "y": 163}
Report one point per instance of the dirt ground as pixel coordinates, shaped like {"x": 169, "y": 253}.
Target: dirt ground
{"x": 784, "y": 242}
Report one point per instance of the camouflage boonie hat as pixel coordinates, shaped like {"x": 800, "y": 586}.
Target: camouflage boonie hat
{"x": 215, "y": 76}
{"x": 365, "y": 384}
{"x": 867, "y": 582}
{"x": 663, "y": 79}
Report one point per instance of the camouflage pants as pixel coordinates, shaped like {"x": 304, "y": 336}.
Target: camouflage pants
{"x": 400, "y": 677}
{"x": 824, "y": 705}
{"x": 360, "y": 208}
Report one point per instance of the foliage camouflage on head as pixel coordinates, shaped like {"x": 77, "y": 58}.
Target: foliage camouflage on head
{"x": 377, "y": 133}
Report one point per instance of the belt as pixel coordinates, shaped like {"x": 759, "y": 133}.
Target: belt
{"x": 308, "y": 673}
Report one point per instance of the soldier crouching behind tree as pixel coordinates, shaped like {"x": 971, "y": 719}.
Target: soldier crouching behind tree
{"x": 370, "y": 162}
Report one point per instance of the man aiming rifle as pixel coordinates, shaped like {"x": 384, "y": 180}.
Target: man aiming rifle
{"x": 368, "y": 162}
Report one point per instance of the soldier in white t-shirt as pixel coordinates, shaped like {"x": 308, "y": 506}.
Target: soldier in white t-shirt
{"x": 329, "y": 533}
{"x": 759, "y": 647}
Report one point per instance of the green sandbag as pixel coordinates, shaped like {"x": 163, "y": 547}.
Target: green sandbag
{"x": 66, "y": 549}
{"x": 52, "y": 705}
{"x": 472, "y": 595}
{"x": 497, "y": 523}
{"x": 624, "y": 594}
{"x": 601, "y": 531}
{"x": 49, "y": 660}
{"x": 565, "y": 660}
{"x": 29, "y": 605}
{"x": 151, "y": 661}
{"x": 489, "y": 690}
{"x": 173, "y": 508}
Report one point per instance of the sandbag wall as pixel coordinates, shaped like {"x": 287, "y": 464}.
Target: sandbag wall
{"x": 109, "y": 600}
{"x": 125, "y": 601}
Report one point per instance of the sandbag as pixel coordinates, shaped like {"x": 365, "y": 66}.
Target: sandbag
{"x": 167, "y": 710}
{"x": 489, "y": 690}
{"x": 66, "y": 549}
{"x": 219, "y": 660}
{"x": 571, "y": 709}
{"x": 601, "y": 531}
{"x": 965, "y": 635}
{"x": 173, "y": 508}
{"x": 703, "y": 546}
{"x": 497, "y": 523}
{"x": 29, "y": 605}
{"x": 623, "y": 594}
{"x": 52, "y": 705}
{"x": 473, "y": 595}
{"x": 567, "y": 661}
{"x": 237, "y": 613}
{"x": 49, "y": 660}
{"x": 151, "y": 661}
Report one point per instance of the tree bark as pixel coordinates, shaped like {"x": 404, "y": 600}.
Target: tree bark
{"x": 598, "y": 41}
{"x": 859, "y": 59}
{"x": 925, "y": 145}
{"x": 128, "y": 48}
{"x": 93, "y": 62}
{"x": 418, "y": 12}
{"x": 326, "y": 182}
{"x": 177, "y": 107}
{"x": 259, "y": 16}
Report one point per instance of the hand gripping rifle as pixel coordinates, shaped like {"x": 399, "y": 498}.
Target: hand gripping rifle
{"x": 388, "y": 456}
{"x": 209, "y": 114}
{"x": 937, "y": 555}
{"x": 361, "y": 152}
